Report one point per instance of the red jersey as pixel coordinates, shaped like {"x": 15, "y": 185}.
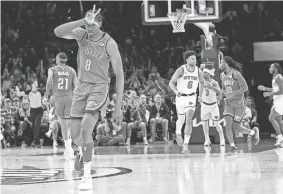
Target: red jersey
{"x": 62, "y": 80}
{"x": 93, "y": 60}
{"x": 230, "y": 84}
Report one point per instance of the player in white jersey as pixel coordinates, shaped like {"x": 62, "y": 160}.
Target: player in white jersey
{"x": 209, "y": 107}
{"x": 276, "y": 91}
{"x": 184, "y": 84}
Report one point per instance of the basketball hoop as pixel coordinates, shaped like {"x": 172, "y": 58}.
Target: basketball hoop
{"x": 178, "y": 20}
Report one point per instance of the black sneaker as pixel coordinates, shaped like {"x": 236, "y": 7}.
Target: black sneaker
{"x": 233, "y": 151}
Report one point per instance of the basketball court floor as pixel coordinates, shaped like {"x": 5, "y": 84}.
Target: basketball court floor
{"x": 154, "y": 169}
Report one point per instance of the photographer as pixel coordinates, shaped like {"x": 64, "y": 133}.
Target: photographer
{"x": 138, "y": 120}
{"x": 108, "y": 133}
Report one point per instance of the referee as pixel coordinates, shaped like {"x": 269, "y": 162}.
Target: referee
{"x": 36, "y": 112}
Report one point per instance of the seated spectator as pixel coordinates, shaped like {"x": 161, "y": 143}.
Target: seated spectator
{"x": 25, "y": 131}
{"x": 8, "y": 113}
{"x": 108, "y": 133}
{"x": 159, "y": 113}
{"x": 138, "y": 120}
{"x": 250, "y": 117}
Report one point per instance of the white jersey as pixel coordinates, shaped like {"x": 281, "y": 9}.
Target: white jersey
{"x": 209, "y": 96}
{"x": 275, "y": 87}
{"x": 188, "y": 83}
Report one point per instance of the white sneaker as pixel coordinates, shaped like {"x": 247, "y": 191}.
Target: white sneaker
{"x": 55, "y": 144}
{"x": 86, "y": 183}
{"x": 207, "y": 143}
{"x": 69, "y": 153}
{"x": 279, "y": 141}
{"x": 150, "y": 140}
{"x": 48, "y": 134}
{"x": 179, "y": 140}
{"x": 165, "y": 139}
{"x": 128, "y": 142}
{"x": 222, "y": 142}
{"x": 185, "y": 148}
{"x": 145, "y": 141}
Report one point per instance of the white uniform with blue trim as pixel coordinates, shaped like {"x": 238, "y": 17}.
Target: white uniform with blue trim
{"x": 187, "y": 85}
{"x": 277, "y": 99}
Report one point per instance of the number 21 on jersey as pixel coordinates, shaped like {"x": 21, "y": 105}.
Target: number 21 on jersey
{"x": 63, "y": 83}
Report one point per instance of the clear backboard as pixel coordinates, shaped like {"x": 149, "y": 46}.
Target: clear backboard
{"x": 155, "y": 12}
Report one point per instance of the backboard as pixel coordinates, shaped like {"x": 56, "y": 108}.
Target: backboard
{"x": 155, "y": 12}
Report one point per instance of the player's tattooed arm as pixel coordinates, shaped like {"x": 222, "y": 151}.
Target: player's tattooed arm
{"x": 201, "y": 82}
{"x": 215, "y": 87}
{"x": 49, "y": 83}
{"x": 71, "y": 30}
{"x": 243, "y": 84}
{"x": 173, "y": 82}
{"x": 116, "y": 62}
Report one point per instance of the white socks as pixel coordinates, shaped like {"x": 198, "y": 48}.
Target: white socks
{"x": 187, "y": 139}
{"x": 87, "y": 169}
{"x": 179, "y": 124}
{"x": 280, "y": 137}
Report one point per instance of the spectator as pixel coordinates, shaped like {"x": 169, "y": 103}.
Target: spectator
{"x": 25, "y": 131}
{"x": 138, "y": 120}
{"x": 108, "y": 133}
{"x": 8, "y": 113}
{"x": 159, "y": 114}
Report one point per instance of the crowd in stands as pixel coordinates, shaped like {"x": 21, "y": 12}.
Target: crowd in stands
{"x": 150, "y": 55}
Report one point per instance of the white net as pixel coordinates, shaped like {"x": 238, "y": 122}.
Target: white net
{"x": 178, "y": 20}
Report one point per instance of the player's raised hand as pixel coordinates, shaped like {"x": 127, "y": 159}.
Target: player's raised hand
{"x": 261, "y": 88}
{"x": 90, "y": 16}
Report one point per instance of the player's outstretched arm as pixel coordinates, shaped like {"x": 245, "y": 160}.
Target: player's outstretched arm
{"x": 49, "y": 83}
{"x": 116, "y": 62}
{"x": 173, "y": 82}
{"x": 71, "y": 30}
{"x": 265, "y": 89}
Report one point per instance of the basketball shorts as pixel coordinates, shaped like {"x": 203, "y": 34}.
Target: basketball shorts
{"x": 185, "y": 103}
{"x": 209, "y": 112}
{"x": 278, "y": 105}
{"x": 235, "y": 109}
{"x": 89, "y": 98}
{"x": 63, "y": 106}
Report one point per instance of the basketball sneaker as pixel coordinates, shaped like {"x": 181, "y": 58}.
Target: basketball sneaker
{"x": 86, "y": 183}
{"x": 79, "y": 162}
{"x": 207, "y": 143}
{"x": 255, "y": 137}
{"x": 233, "y": 151}
{"x": 185, "y": 148}
{"x": 48, "y": 133}
{"x": 128, "y": 142}
{"x": 145, "y": 141}
{"x": 279, "y": 142}
{"x": 179, "y": 140}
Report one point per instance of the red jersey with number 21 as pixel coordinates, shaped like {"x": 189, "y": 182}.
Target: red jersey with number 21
{"x": 93, "y": 60}
{"x": 230, "y": 84}
{"x": 63, "y": 78}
